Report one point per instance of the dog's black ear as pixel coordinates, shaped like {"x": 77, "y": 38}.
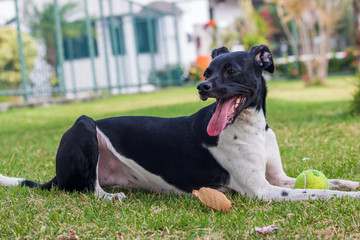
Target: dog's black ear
{"x": 263, "y": 57}
{"x": 217, "y": 51}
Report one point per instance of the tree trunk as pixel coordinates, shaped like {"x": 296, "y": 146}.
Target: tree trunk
{"x": 321, "y": 60}
{"x": 356, "y": 6}
{"x": 51, "y": 58}
{"x": 322, "y": 69}
{"x": 306, "y": 49}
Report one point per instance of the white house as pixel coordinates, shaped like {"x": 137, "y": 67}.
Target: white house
{"x": 135, "y": 40}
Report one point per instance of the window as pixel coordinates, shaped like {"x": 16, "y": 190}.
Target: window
{"x": 146, "y": 35}
{"x": 78, "y": 47}
{"x": 118, "y": 40}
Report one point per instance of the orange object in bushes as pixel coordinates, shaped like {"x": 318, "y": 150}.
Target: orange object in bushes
{"x": 203, "y": 62}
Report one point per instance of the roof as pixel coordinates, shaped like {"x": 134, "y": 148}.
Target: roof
{"x": 165, "y": 7}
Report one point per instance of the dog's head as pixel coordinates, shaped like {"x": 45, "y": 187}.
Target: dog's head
{"x": 234, "y": 79}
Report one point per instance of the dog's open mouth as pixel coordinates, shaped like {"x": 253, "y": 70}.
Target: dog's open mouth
{"x": 226, "y": 111}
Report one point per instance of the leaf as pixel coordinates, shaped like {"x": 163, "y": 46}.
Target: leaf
{"x": 212, "y": 198}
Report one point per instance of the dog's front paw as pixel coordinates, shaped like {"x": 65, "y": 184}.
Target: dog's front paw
{"x": 343, "y": 185}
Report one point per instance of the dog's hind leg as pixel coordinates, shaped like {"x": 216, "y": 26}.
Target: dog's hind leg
{"x": 111, "y": 172}
{"x": 78, "y": 159}
{"x": 99, "y": 192}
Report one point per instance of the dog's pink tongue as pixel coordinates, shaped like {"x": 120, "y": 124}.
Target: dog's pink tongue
{"x": 219, "y": 119}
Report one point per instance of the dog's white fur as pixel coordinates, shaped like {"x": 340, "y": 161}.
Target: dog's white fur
{"x": 250, "y": 154}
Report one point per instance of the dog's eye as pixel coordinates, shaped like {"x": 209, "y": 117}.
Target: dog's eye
{"x": 231, "y": 71}
{"x": 206, "y": 75}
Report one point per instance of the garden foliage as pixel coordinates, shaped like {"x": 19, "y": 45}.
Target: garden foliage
{"x": 10, "y": 67}
{"x": 355, "y": 105}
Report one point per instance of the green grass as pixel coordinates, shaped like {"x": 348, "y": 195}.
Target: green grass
{"x": 309, "y": 123}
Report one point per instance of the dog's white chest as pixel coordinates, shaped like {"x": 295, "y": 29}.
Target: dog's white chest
{"x": 247, "y": 130}
{"x": 245, "y": 135}
{"x": 241, "y": 147}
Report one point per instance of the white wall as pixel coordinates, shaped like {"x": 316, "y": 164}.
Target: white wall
{"x": 193, "y": 13}
{"x": 7, "y": 11}
{"x": 225, "y": 13}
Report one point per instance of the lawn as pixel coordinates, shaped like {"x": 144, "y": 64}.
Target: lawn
{"x": 313, "y": 130}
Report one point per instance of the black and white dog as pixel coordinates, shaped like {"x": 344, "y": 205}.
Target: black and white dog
{"x": 226, "y": 145}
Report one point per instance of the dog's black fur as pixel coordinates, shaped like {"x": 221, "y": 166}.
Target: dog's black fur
{"x": 231, "y": 74}
{"x": 170, "y": 148}
{"x": 159, "y": 145}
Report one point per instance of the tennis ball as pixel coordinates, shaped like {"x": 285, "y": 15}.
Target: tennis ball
{"x": 311, "y": 179}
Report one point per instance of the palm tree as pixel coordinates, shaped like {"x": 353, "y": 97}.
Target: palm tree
{"x": 316, "y": 21}
{"x": 42, "y": 25}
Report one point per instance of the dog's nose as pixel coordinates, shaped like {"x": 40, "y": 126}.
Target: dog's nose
{"x": 204, "y": 86}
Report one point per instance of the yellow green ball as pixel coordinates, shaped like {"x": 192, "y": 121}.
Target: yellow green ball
{"x": 311, "y": 179}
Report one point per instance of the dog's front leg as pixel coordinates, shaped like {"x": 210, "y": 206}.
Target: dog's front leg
{"x": 254, "y": 185}
{"x": 274, "y": 170}
{"x": 248, "y": 177}
{"x": 276, "y": 175}
{"x": 344, "y": 185}
{"x": 283, "y": 194}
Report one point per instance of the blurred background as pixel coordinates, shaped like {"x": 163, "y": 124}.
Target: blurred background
{"x": 70, "y": 49}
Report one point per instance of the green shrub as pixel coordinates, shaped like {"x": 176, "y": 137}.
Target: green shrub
{"x": 10, "y": 67}
{"x": 347, "y": 64}
{"x": 167, "y": 76}
{"x": 289, "y": 70}
{"x": 355, "y": 105}
{"x": 195, "y": 74}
